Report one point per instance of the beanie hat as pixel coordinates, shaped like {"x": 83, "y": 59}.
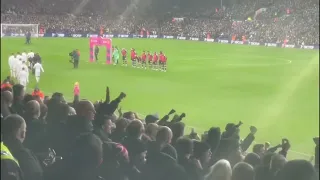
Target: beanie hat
{"x": 151, "y": 118}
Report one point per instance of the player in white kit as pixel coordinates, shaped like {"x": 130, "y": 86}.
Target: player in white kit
{"x": 11, "y": 63}
{"x": 30, "y": 56}
{"x": 23, "y": 77}
{"x": 14, "y": 66}
{"x": 37, "y": 71}
{"x": 18, "y": 65}
{"x": 25, "y": 66}
{"x": 24, "y": 56}
{"x": 19, "y": 56}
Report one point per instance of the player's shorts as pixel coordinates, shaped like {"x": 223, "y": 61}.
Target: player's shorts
{"x": 150, "y": 61}
{"x": 155, "y": 62}
{"x": 133, "y": 59}
{"x": 124, "y": 58}
{"x": 143, "y": 61}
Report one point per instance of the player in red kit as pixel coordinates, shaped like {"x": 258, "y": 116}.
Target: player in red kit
{"x": 133, "y": 57}
{"x": 164, "y": 63}
{"x": 161, "y": 60}
{"x": 144, "y": 60}
{"x": 149, "y": 55}
{"x": 124, "y": 57}
{"x": 155, "y": 61}
{"x": 138, "y": 58}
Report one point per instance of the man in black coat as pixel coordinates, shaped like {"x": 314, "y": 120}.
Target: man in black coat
{"x": 6, "y": 103}
{"x": 82, "y": 163}
{"x": 82, "y": 122}
{"x": 103, "y": 128}
{"x": 28, "y": 37}
{"x": 79, "y": 124}
{"x": 18, "y": 96}
{"x": 76, "y": 57}
{"x": 14, "y": 130}
{"x": 36, "y": 137}
{"x": 162, "y": 164}
{"x": 134, "y": 132}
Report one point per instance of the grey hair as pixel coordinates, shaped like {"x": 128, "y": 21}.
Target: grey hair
{"x": 221, "y": 170}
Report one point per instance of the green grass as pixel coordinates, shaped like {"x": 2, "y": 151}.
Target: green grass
{"x": 275, "y": 89}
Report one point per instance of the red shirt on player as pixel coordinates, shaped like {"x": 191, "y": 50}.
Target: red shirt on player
{"x": 164, "y": 58}
{"x": 155, "y": 57}
{"x": 149, "y": 56}
{"x": 124, "y": 52}
{"x": 143, "y": 56}
{"x": 133, "y": 54}
{"x": 161, "y": 57}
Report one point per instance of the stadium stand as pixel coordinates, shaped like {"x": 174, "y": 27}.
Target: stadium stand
{"x": 81, "y": 140}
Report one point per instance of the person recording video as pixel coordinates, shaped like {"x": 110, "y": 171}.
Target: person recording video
{"x": 74, "y": 55}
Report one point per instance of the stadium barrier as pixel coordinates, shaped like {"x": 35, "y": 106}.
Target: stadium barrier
{"x": 223, "y": 40}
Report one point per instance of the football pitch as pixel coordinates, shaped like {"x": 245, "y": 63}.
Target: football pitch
{"x": 275, "y": 89}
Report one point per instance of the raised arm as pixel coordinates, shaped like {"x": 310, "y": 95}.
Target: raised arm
{"x": 107, "y": 95}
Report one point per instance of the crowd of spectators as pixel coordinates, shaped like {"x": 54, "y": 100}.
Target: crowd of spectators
{"x": 296, "y": 21}
{"x": 52, "y": 139}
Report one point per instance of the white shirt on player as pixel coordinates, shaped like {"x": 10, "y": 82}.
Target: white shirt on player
{"x": 23, "y": 77}
{"x": 18, "y": 67}
{"x": 38, "y": 68}
{"x": 25, "y": 66}
{"x": 30, "y": 54}
{"x": 14, "y": 64}
{"x": 19, "y": 57}
{"x": 11, "y": 61}
{"x": 24, "y": 55}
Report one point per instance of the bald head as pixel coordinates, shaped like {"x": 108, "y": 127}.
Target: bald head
{"x": 277, "y": 162}
{"x": 33, "y": 108}
{"x": 7, "y": 97}
{"x": 164, "y": 135}
{"x": 85, "y": 109}
{"x": 135, "y": 129}
{"x": 152, "y": 130}
{"x": 14, "y": 126}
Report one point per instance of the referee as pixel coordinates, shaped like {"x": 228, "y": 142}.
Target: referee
{"x": 28, "y": 37}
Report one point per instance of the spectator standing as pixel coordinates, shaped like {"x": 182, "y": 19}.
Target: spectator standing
{"x": 18, "y": 96}
{"x": 14, "y": 133}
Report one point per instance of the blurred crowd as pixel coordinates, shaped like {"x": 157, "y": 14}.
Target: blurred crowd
{"x": 47, "y": 138}
{"x": 296, "y": 21}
